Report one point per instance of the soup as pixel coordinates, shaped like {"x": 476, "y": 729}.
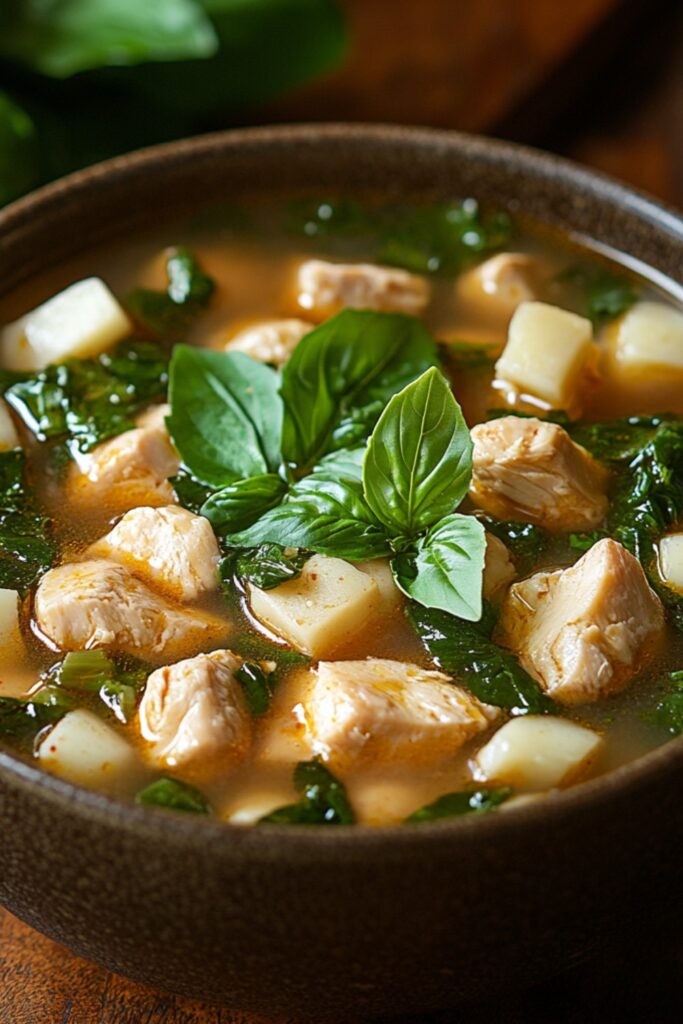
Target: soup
{"x": 334, "y": 512}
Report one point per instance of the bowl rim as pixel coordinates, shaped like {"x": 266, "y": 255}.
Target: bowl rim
{"x": 341, "y": 842}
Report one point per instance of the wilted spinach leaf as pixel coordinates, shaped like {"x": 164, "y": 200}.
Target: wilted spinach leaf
{"x": 22, "y": 720}
{"x": 173, "y": 795}
{"x": 526, "y": 541}
{"x": 266, "y": 566}
{"x": 454, "y": 805}
{"x": 95, "y": 672}
{"x": 257, "y": 685}
{"x": 669, "y": 710}
{"x": 605, "y": 294}
{"x": 169, "y": 314}
{"x": 323, "y": 799}
{"x": 26, "y": 551}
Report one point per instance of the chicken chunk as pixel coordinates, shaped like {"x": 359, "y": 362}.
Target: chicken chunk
{"x": 389, "y": 710}
{"x": 496, "y": 287}
{"x": 531, "y": 470}
{"x": 584, "y": 632}
{"x": 326, "y": 288}
{"x": 499, "y": 568}
{"x": 100, "y": 604}
{"x": 271, "y": 341}
{"x": 129, "y": 470}
{"x": 170, "y": 548}
{"x": 194, "y": 715}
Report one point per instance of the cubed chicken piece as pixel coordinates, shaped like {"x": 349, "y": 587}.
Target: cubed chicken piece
{"x": 389, "y": 710}
{"x": 531, "y": 470}
{"x": 316, "y": 613}
{"x": 8, "y": 432}
{"x": 549, "y": 355}
{"x": 671, "y": 561}
{"x": 194, "y": 715}
{"x": 271, "y": 341}
{"x": 83, "y": 320}
{"x": 127, "y": 471}
{"x": 649, "y": 339}
{"x": 499, "y": 567}
{"x": 538, "y": 752}
{"x": 495, "y": 288}
{"x": 170, "y": 548}
{"x": 101, "y": 604}
{"x": 584, "y": 632}
{"x": 85, "y": 750}
{"x": 326, "y": 288}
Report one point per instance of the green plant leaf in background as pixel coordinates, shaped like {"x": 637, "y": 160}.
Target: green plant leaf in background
{"x": 18, "y": 169}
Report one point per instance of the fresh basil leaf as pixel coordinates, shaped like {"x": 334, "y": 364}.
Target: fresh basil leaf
{"x": 237, "y": 506}
{"x": 447, "y": 569}
{"x": 454, "y": 805}
{"x": 18, "y": 165}
{"x": 605, "y": 294}
{"x": 257, "y": 686}
{"x": 174, "y": 795}
{"x": 525, "y": 541}
{"x": 669, "y": 710}
{"x": 352, "y": 360}
{"x": 190, "y": 492}
{"x": 323, "y": 802}
{"x": 87, "y": 401}
{"x": 266, "y": 566}
{"x": 226, "y": 414}
{"x": 443, "y": 238}
{"x": 60, "y": 39}
{"x": 418, "y": 463}
{"x": 22, "y": 720}
{"x": 26, "y": 549}
{"x": 169, "y": 314}
{"x": 466, "y": 651}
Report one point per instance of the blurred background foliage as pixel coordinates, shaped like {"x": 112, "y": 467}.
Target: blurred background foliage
{"x": 81, "y": 80}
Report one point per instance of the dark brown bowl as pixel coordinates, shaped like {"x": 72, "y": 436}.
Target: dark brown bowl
{"x": 360, "y": 920}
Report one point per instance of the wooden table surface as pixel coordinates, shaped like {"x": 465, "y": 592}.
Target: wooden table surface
{"x": 540, "y": 71}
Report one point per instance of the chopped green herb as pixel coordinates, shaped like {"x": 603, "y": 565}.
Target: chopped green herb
{"x": 585, "y": 541}
{"x": 323, "y": 799}
{"x": 453, "y": 805}
{"x": 605, "y": 294}
{"x": 95, "y": 672}
{"x": 266, "y": 566}
{"x": 465, "y": 650}
{"x": 169, "y": 314}
{"x": 526, "y": 541}
{"x": 22, "y": 720}
{"x": 257, "y": 686}
{"x": 26, "y": 550}
{"x": 669, "y": 711}
{"x": 465, "y": 356}
{"x": 174, "y": 795}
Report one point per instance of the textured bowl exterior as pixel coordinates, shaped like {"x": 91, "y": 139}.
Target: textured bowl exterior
{"x": 339, "y": 922}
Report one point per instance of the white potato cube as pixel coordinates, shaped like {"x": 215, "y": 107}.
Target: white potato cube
{"x": 499, "y": 567}
{"x": 671, "y": 561}
{"x": 85, "y": 750}
{"x": 547, "y": 353}
{"x": 253, "y": 802}
{"x": 8, "y": 432}
{"x": 271, "y": 341}
{"x": 497, "y": 286}
{"x": 380, "y": 571}
{"x": 10, "y": 635}
{"x": 83, "y": 320}
{"x": 650, "y": 337}
{"x": 316, "y": 613}
{"x": 537, "y": 752}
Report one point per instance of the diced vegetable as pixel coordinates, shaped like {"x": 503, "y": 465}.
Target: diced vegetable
{"x": 9, "y": 617}
{"x": 649, "y": 339}
{"x": 671, "y": 561}
{"x": 8, "y": 432}
{"x": 84, "y": 749}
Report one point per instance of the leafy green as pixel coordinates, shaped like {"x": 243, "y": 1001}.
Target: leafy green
{"x": 95, "y": 672}
{"x": 26, "y": 550}
{"x": 418, "y": 463}
{"x": 257, "y": 685}
{"x": 169, "y": 314}
{"x": 323, "y": 801}
{"x": 191, "y": 493}
{"x": 62, "y": 37}
{"x": 330, "y": 218}
{"x": 466, "y": 651}
{"x": 446, "y": 570}
{"x": 22, "y": 720}
{"x": 466, "y": 356}
{"x": 354, "y": 361}
{"x": 174, "y": 795}
{"x": 237, "y": 506}
{"x": 17, "y": 150}
{"x": 266, "y": 566}
{"x": 86, "y": 401}
{"x": 526, "y": 541}
{"x": 617, "y": 440}
{"x": 442, "y": 238}
{"x": 605, "y": 294}
{"x": 454, "y": 805}
{"x": 225, "y": 416}
{"x": 669, "y": 710}
{"x": 585, "y": 541}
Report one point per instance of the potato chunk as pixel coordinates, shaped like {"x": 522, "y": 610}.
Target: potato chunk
{"x": 170, "y": 548}
{"x": 584, "y": 632}
{"x": 379, "y": 570}
{"x": 537, "y": 752}
{"x": 8, "y": 432}
{"x": 100, "y": 604}
{"x": 531, "y": 470}
{"x": 389, "y": 710}
{"x": 649, "y": 338}
{"x": 326, "y": 288}
{"x": 499, "y": 567}
{"x": 127, "y": 471}
{"x": 85, "y": 750}
{"x": 329, "y": 602}
{"x": 548, "y": 353}
{"x": 83, "y": 320}
{"x": 271, "y": 341}
{"x": 671, "y": 561}
{"x": 194, "y": 715}
{"x": 495, "y": 288}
